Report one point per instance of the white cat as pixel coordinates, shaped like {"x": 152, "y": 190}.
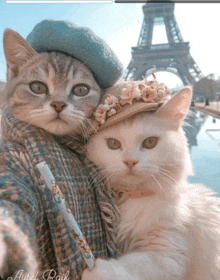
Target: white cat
{"x": 172, "y": 231}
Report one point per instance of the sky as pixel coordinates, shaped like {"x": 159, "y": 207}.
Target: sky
{"x": 120, "y": 24}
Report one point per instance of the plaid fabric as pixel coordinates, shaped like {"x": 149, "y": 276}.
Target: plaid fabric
{"x": 36, "y": 238}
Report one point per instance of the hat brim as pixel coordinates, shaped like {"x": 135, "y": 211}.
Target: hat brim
{"x": 129, "y": 111}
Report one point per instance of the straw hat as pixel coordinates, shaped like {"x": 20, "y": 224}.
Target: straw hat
{"x": 129, "y": 98}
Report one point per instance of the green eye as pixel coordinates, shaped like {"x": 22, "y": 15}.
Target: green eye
{"x": 80, "y": 90}
{"x": 39, "y": 87}
{"x": 150, "y": 143}
{"x": 113, "y": 144}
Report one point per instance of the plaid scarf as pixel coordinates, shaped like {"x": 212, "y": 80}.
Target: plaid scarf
{"x": 35, "y": 235}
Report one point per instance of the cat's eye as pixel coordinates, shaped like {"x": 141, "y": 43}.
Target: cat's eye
{"x": 150, "y": 143}
{"x": 113, "y": 144}
{"x": 38, "y": 87}
{"x": 80, "y": 90}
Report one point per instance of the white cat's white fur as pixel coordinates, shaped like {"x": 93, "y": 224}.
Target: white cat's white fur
{"x": 174, "y": 233}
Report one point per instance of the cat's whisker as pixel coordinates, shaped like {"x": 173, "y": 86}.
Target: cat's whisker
{"x": 93, "y": 168}
{"x": 102, "y": 174}
{"x": 170, "y": 163}
{"x": 175, "y": 166}
{"x": 104, "y": 178}
{"x": 31, "y": 119}
{"x": 96, "y": 180}
{"x": 76, "y": 117}
{"x": 91, "y": 165}
{"x": 161, "y": 170}
{"x": 90, "y": 124}
{"x": 149, "y": 167}
{"x": 161, "y": 188}
{"x": 86, "y": 132}
{"x": 108, "y": 178}
{"x": 171, "y": 179}
{"x": 34, "y": 113}
{"x": 82, "y": 129}
{"x": 77, "y": 114}
{"x": 165, "y": 170}
{"x": 167, "y": 179}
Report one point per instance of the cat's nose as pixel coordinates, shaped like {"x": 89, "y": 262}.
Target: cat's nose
{"x": 130, "y": 163}
{"x": 58, "y": 106}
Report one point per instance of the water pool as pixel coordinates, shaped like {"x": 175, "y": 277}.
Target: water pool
{"x": 204, "y": 140}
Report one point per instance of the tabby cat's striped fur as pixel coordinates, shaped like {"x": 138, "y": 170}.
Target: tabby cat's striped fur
{"x": 53, "y": 91}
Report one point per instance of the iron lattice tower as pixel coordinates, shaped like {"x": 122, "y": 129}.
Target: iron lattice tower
{"x": 173, "y": 56}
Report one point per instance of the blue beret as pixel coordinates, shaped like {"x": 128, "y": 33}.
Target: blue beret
{"x": 81, "y": 43}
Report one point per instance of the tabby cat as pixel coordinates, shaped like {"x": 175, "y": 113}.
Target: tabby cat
{"x": 52, "y": 91}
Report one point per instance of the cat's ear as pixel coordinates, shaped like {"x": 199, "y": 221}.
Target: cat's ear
{"x": 177, "y": 107}
{"x": 17, "y": 50}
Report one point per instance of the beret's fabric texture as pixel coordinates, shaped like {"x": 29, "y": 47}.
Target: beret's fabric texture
{"x": 81, "y": 43}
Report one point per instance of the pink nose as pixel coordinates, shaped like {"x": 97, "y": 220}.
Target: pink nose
{"x": 130, "y": 163}
{"x": 58, "y": 106}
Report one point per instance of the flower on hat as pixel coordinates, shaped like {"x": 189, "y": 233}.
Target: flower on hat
{"x": 100, "y": 112}
{"x": 153, "y": 84}
{"x": 111, "y": 100}
{"x": 149, "y": 94}
{"x": 111, "y": 112}
{"x": 140, "y": 91}
{"x": 129, "y": 93}
{"x": 161, "y": 86}
{"x": 163, "y": 93}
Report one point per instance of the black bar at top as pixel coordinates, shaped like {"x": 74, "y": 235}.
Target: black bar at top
{"x": 165, "y": 1}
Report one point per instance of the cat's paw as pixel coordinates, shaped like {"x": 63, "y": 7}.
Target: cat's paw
{"x": 106, "y": 270}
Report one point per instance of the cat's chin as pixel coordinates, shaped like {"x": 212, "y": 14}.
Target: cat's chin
{"x": 61, "y": 130}
{"x": 59, "y": 127}
{"x": 128, "y": 181}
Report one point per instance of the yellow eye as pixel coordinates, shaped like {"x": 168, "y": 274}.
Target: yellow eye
{"x": 80, "y": 90}
{"x": 39, "y": 87}
{"x": 150, "y": 143}
{"x": 113, "y": 144}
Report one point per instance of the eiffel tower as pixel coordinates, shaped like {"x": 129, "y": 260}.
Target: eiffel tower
{"x": 173, "y": 56}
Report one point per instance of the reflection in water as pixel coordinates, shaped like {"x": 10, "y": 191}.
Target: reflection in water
{"x": 194, "y": 123}
{"x": 204, "y": 141}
